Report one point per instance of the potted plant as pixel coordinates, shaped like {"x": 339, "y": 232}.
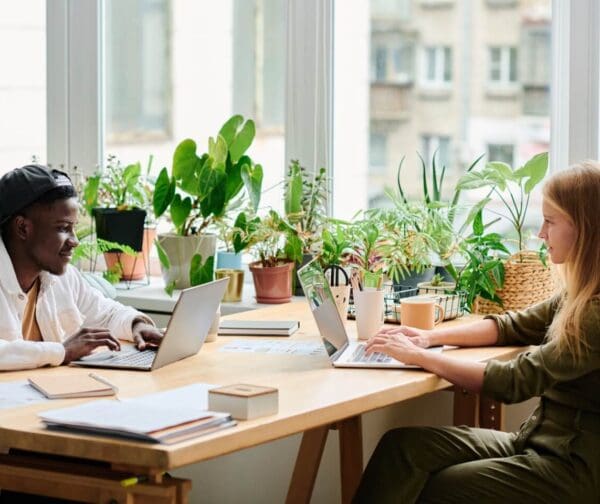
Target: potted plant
{"x": 276, "y": 245}
{"x": 527, "y": 278}
{"x": 198, "y": 193}
{"x": 115, "y": 200}
{"x": 305, "y": 196}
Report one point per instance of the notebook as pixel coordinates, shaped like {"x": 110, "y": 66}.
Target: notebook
{"x": 258, "y": 327}
{"x": 342, "y": 352}
{"x": 187, "y": 330}
{"x": 65, "y": 386}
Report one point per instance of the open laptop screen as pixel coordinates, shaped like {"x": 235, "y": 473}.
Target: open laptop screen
{"x": 322, "y": 304}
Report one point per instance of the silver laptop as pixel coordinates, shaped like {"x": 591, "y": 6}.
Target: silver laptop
{"x": 187, "y": 329}
{"x": 342, "y": 352}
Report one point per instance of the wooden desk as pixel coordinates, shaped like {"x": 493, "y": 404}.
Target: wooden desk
{"x": 313, "y": 398}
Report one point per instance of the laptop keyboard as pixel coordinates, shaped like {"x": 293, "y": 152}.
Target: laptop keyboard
{"x": 141, "y": 359}
{"x": 360, "y": 356}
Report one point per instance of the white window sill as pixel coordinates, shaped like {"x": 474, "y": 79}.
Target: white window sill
{"x": 435, "y": 92}
{"x": 502, "y": 90}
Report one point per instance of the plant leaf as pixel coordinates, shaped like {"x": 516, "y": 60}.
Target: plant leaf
{"x": 180, "y": 210}
{"x": 229, "y": 129}
{"x": 162, "y": 255}
{"x": 253, "y": 178}
{"x": 164, "y": 190}
{"x": 242, "y": 141}
{"x": 201, "y": 273}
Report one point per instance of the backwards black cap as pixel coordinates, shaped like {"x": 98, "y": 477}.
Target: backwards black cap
{"x": 23, "y": 186}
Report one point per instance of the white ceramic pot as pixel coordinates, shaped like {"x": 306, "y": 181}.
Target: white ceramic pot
{"x": 180, "y": 250}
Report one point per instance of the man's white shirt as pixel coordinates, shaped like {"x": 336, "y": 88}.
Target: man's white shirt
{"x": 65, "y": 304}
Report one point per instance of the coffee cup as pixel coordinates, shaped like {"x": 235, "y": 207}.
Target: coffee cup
{"x": 420, "y": 312}
{"x": 369, "y": 312}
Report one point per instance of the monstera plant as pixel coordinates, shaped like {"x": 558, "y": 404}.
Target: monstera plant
{"x": 201, "y": 190}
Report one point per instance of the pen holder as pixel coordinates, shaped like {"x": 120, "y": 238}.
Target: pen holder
{"x": 369, "y": 309}
{"x": 341, "y": 295}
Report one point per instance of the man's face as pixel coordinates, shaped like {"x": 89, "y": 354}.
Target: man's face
{"x": 51, "y": 237}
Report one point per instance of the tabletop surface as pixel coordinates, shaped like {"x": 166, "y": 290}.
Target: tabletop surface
{"x": 311, "y": 393}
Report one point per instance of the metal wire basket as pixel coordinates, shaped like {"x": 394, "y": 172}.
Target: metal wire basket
{"x": 453, "y": 303}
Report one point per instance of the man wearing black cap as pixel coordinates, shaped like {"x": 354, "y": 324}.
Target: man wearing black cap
{"x": 48, "y": 313}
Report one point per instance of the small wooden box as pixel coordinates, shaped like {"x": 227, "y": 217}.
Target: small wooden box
{"x": 243, "y": 401}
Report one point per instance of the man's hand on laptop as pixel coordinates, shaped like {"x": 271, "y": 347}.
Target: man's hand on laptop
{"x": 84, "y": 341}
{"x": 146, "y": 335}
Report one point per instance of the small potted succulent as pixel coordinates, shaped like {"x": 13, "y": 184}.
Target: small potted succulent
{"x": 276, "y": 245}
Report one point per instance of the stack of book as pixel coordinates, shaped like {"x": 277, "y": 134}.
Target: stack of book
{"x": 141, "y": 419}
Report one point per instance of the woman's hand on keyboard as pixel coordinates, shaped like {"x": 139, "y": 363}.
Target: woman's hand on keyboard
{"x": 397, "y": 346}
{"x": 419, "y": 337}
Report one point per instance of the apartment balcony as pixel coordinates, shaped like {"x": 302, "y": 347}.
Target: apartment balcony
{"x": 391, "y": 101}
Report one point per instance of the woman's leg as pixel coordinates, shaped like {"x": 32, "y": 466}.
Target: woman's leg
{"x": 405, "y": 458}
{"x": 529, "y": 477}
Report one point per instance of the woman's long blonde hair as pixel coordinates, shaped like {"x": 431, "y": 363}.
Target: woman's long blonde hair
{"x": 576, "y": 193}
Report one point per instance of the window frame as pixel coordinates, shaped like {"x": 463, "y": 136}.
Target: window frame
{"x": 75, "y": 99}
{"x": 442, "y": 65}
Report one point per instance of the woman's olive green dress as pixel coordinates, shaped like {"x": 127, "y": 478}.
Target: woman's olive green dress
{"x": 555, "y": 456}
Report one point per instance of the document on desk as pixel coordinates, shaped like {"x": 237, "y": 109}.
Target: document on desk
{"x": 19, "y": 393}
{"x": 164, "y": 417}
{"x": 275, "y": 347}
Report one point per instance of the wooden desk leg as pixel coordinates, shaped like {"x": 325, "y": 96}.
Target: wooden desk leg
{"x": 351, "y": 456}
{"x": 491, "y": 414}
{"x": 307, "y": 465}
{"x": 466, "y": 407}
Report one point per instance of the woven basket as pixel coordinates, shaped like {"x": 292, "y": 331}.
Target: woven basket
{"x": 526, "y": 281}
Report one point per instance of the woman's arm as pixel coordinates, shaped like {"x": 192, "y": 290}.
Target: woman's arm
{"x": 468, "y": 375}
{"x": 480, "y": 333}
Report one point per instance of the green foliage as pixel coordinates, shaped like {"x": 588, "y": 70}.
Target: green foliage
{"x": 202, "y": 189}
{"x": 117, "y": 186}
{"x": 483, "y": 273}
{"x": 89, "y": 249}
{"x": 201, "y": 273}
{"x": 305, "y": 198}
{"x": 335, "y": 245}
{"x": 512, "y": 186}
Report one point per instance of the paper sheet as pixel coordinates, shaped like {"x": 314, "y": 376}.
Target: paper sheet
{"x": 19, "y": 393}
{"x": 275, "y": 347}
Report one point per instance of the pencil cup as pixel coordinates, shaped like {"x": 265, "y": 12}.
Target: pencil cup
{"x": 214, "y": 327}
{"x": 341, "y": 294}
{"x": 369, "y": 309}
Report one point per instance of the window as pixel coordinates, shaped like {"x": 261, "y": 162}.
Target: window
{"x": 138, "y": 71}
{"x": 22, "y": 83}
{"x": 438, "y": 66}
{"x": 503, "y": 65}
{"x": 377, "y": 152}
{"x": 438, "y": 145}
{"x": 390, "y": 9}
{"x": 501, "y": 152}
{"x": 392, "y": 60}
{"x": 178, "y": 70}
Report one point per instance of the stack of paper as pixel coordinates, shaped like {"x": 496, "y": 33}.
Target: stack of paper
{"x": 230, "y": 327}
{"x": 143, "y": 418}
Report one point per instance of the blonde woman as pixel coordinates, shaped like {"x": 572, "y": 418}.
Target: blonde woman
{"x": 555, "y": 456}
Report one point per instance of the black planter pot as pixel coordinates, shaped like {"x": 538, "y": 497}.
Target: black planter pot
{"x": 306, "y": 258}
{"x": 124, "y": 227}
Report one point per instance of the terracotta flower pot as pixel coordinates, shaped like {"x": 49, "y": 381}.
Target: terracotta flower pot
{"x": 134, "y": 267}
{"x": 272, "y": 285}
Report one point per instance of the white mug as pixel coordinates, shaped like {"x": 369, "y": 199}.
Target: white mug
{"x": 369, "y": 312}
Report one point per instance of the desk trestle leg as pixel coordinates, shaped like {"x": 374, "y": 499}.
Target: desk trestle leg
{"x": 85, "y": 483}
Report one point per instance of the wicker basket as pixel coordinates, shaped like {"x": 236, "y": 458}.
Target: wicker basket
{"x": 526, "y": 281}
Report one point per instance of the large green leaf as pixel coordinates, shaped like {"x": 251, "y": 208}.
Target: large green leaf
{"x": 164, "y": 190}
{"x": 535, "y": 169}
{"x": 213, "y": 187}
{"x": 293, "y": 193}
{"x": 472, "y": 180}
{"x": 180, "y": 210}
{"x": 217, "y": 149}
{"x": 478, "y": 223}
{"x": 497, "y": 170}
{"x": 234, "y": 182}
{"x": 242, "y": 141}
{"x": 253, "y": 178}
{"x": 90, "y": 193}
{"x": 230, "y": 128}
{"x": 201, "y": 273}
{"x": 131, "y": 175}
{"x": 162, "y": 255}
{"x": 184, "y": 159}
